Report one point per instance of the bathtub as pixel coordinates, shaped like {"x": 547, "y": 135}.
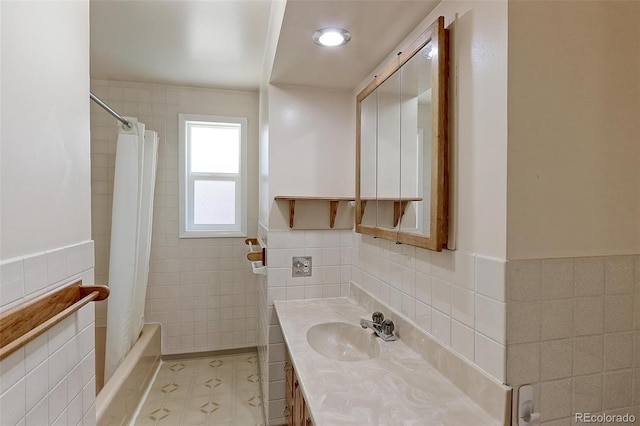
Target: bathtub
{"x": 118, "y": 400}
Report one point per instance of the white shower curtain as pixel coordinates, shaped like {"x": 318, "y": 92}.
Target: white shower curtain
{"x": 131, "y": 225}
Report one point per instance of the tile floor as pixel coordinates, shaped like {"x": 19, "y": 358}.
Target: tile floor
{"x": 222, "y": 390}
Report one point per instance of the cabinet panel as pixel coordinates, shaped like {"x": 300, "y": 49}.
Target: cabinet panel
{"x": 296, "y": 411}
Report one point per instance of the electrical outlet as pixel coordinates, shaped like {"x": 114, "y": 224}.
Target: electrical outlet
{"x": 301, "y": 266}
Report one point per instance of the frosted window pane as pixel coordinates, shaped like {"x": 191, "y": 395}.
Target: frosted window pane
{"x": 215, "y": 149}
{"x": 214, "y": 202}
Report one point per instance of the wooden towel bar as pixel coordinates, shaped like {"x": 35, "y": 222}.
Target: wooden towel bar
{"x": 256, "y": 255}
{"x": 25, "y": 322}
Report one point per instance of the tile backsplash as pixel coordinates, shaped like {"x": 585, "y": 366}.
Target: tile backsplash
{"x": 573, "y": 331}
{"x": 51, "y": 380}
{"x": 456, "y": 297}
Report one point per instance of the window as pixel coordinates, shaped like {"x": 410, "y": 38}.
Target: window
{"x": 213, "y": 157}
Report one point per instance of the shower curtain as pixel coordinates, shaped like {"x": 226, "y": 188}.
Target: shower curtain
{"x": 131, "y": 225}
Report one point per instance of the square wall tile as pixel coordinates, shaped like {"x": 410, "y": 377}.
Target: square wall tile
{"x": 423, "y": 316}
{"x": 523, "y": 322}
{"x": 618, "y": 351}
{"x": 463, "y": 265}
{"x": 524, "y": 280}
{"x": 588, "y": 315}
{"x": 490, "y": 356}
{"x": 557, "y": 319}
{"x": 588, "y": 355}
{"x": 636, "y": 387}
{"x": 491, "y": 318}
{"x": 618, "y": 388}
{"x": 490, "y": 277}
{"x": 556, "y": 359}
{"x": 636, "y": 274}
{"x": 463, "y": 306}
{"x": 588, "y": 276}
{"x": 423, "y": 288}
{"x": 587, "y": 394}
{"x": 12, "y": 404}
{"x": 56, "y": 266}
{"x": 441, "y": 265}
{"x": 462, "y": 339}
{"x": 441, "y": 326}
{"x": 35, "y": 273}
{"x": 555, "y": 399}
{"x": 441, "y": 295}
{"x": 618, "y": 313}
{"x": 636, "y": 349}
{"x": 523, "y": 364}
{"x": 636, "y": 311}
{"x": 11, "y": 282}
{"x": 619, "y": 275}
{"x": 557, "y": 279}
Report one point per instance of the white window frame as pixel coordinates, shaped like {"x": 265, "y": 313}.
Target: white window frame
{"x": 186, "y": 182}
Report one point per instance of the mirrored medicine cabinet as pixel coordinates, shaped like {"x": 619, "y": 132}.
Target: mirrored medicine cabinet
{"x": 401, "y": 146}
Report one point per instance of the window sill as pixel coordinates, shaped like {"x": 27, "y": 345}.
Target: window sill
{"x": 212, "y": 234}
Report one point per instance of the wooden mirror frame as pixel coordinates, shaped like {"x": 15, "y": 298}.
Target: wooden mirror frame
{"x": 439, "y": 193}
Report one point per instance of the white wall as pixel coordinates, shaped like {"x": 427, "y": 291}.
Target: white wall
{"x": 311, "y": 137}
{"x": 574, "y": 129}
{"x": 276, "y": 17}
{"x": 44, "y": 156}
{"x": 45, "y": 206}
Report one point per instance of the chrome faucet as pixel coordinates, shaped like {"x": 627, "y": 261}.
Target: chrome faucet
{"x": 382, "y": 327}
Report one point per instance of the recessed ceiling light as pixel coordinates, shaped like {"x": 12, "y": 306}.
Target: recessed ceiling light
{"x": 331, "y": 37}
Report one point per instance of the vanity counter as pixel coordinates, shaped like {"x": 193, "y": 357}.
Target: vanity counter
{"x": 396, "y": 387}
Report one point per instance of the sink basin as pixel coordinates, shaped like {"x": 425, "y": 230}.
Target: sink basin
{"x": 343, "y": 342}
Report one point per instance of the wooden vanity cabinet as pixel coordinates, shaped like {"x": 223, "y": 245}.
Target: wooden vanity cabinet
{"x": 295, "y": 410}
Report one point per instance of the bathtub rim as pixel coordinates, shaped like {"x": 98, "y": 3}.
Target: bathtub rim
{"x": 111, "y": 388}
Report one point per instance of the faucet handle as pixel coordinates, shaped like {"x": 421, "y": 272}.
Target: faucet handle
{"x": 377, "y": 317}
{"x": 387, "y": 327}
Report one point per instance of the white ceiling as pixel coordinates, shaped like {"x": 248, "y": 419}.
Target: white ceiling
{"x": 221, "y": 43}
{"x": 376, "y": 28}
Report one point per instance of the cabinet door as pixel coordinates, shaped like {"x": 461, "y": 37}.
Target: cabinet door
{"x": 388, "y": 150}
{"x": 298, "y": 404}
{"x": 289, "y": 379}
{"x": 368, "y": 155}
{"x": 415, "y": 146}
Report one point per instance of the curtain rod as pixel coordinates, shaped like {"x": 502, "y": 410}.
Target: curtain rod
{"x": 110, "y": 110}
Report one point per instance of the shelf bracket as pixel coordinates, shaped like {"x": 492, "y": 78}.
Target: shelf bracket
{"x": 333, "y": 210}
{"x": 399, "y": 208}
{"x": 292, "y": 210}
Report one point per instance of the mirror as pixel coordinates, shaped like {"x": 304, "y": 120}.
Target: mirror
{"x": 401, "y": 146}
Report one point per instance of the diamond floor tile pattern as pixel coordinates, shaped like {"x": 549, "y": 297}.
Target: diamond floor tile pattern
{"x": 214, "y": 391}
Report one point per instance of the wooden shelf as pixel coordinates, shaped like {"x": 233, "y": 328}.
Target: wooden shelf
{"x": 333, "y": 205}
{"x": 25, "y": 322}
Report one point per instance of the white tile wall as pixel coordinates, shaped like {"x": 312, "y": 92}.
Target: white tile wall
{"x": 571, "y": 333}
{"x": 456, "y": 297}
{"x": 51, "y": 380}
{"x": 267, "y": 371}
{"x": 331, "y": 264}
{"x": 331, "y": 272}
{"x": 202, "y": 291}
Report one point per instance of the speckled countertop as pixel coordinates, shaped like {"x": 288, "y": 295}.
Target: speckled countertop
{"x": 398, "y": 387}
